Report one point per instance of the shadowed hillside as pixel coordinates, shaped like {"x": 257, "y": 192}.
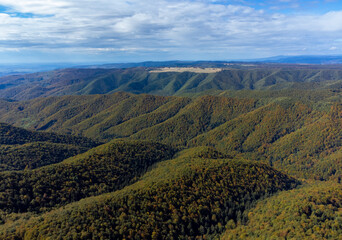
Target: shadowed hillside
{"x": 22, "y": 149}
{"x": 106, "y": 168}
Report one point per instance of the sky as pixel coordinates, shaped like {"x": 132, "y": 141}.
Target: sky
{"x": 104, "y": 31}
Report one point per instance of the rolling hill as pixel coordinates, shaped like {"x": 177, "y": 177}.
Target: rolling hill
{"x": 186, "y": 197}
{"x": 121, "y": 114}
{"x": 103, "y": 169}
{"x": 143, "y": 80}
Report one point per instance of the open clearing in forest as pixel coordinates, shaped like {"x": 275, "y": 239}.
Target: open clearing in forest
{"x": 187, "y": 69}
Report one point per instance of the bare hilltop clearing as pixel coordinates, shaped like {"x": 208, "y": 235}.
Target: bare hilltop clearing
{"x": 186, "y": 69}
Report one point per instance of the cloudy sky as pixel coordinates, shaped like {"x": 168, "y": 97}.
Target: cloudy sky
{"x": 142, "y": 30}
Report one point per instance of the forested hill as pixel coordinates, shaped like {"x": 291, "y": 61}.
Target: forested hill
{"x": 103, "y": 169}
{"x": 183, "y": 198}
{"x": 161, "y": 82}
{"x": 11, "y": 135}
{"x": 121, "y": 114}
{"x": 23, "y": 149}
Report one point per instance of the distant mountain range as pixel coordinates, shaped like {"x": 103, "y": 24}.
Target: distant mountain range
{"x": 10, "y": 69}
{"x": 304, "y": 59}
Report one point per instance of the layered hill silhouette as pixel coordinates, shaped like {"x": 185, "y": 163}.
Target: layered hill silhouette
{"x": 142, "y": 80}
{"x": 182, "y": 198}
{"x": 103, "y": 169}
{"x": 22, "y": 149}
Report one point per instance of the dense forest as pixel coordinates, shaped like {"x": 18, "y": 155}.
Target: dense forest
{"x": 198, "y": 197}
{"x": 311, "y": 212}
{"x": 22, "y": 149}
{"x": 240, "y": 153}
{"x": 106, "y": 168}
{"x": 155, "y": 81}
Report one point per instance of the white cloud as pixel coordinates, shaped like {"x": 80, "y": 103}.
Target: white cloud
{"x": 177, "y": 26}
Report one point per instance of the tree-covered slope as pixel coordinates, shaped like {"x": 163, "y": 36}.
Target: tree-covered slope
{"x": 202, "y": 115}
{"x": 313, "y": 151}
{"x": 311, "y": 212}
{"x": 143, "y": 80}
{"x": 249, "y": 132}
{"x": 187, "y": 197}
{"x": 318, "y": 97}
{"x": 36, "y": 154}
{"x": 299, "y": 136}
{"x": 23, "y": 149}
{"x": 293, "y": 138}
{"x": 120, "y": 115}
{"x": 102, "y": 169}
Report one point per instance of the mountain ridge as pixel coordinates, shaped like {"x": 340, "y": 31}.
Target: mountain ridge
{"x": 143, "y": 80}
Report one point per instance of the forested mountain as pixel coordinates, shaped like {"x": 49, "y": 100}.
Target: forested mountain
{"x": 103, "y": 169}
{"x": 22, "y": 149}
{"x": 153, "y": 81}
{"x": 121, "y": 114}
{"x": 196, "y": 198}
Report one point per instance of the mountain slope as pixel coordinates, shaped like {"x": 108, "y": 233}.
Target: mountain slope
{"x": 310, "y": 212}
{"x": 143, "y": 80}
{"x": 203, "y": 114}
{"x": 293, "y": 138}
{"x": 102, "y": 169}
{"x": 10, "y": 135}
{"x": 120, "y": 115}
{"x": 183, "y": 198}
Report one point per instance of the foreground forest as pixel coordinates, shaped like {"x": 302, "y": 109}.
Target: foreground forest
{"x": 236, "y": 164}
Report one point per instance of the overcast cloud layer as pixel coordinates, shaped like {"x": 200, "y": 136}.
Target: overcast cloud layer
{"x": 138, "y": 30}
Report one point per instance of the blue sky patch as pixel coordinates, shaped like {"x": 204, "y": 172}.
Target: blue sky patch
{"x": 3, "y": 9}
{"x": 28, "y": 15}
{"x": 12, "y": 13}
